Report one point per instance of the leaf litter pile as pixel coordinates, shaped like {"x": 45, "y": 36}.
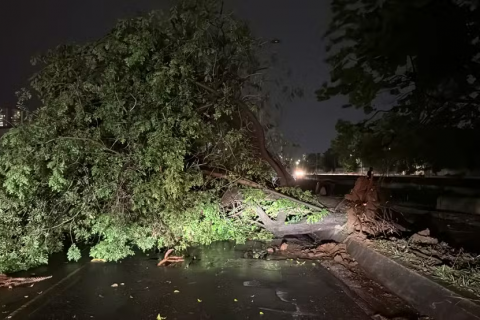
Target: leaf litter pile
{"x": 437, "y": 259}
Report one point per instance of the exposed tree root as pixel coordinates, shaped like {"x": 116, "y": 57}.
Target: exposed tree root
{"x": 366, "y": 215}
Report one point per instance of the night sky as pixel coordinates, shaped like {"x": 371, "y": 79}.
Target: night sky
{"x": 31, "y": 27}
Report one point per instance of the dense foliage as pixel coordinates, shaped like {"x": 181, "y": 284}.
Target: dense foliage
{"x": 316, "y": 162}
{"x": 118, "y": 154}
{"x": 413, "y": 66}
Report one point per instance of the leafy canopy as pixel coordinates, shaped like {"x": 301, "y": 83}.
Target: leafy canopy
{"x": 114, "y": 157}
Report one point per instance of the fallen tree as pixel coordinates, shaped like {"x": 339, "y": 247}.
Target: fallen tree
{"x": 120, "y": 152}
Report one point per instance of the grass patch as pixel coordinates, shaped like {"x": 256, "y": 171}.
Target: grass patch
{"x": 466, "y": 279}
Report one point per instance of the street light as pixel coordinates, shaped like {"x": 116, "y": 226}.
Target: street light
{"x": 299, "y": 173}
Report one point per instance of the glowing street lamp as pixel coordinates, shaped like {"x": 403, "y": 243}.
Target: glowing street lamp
{"x": 299, "y": 173}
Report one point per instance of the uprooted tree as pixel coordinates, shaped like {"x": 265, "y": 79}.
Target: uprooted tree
{"x": 138, "y": 137}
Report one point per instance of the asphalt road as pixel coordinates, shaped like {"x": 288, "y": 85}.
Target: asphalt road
{"x": 216, "y": 287}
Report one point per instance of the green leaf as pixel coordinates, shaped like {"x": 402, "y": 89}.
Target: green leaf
{"x": 74, "y": 253}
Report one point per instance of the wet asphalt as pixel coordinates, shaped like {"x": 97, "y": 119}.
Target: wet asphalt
{"x": 219, "y": 284}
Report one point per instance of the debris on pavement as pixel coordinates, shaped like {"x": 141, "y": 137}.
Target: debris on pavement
{"x": 9, "y": 282}
{"x": 423, "y": 237}
{"x": 256, "y": 253}
{"x": 329, "y": 250}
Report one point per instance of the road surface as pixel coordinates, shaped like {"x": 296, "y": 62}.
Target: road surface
{"x": 218, "y": 286}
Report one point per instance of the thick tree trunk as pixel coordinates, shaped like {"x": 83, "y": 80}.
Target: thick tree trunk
{"x": 280, "y": 229}
{"x": 258, "y": 135}
{"x": 286, "y": 180}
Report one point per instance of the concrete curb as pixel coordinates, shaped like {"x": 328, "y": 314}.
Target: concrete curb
{"x": 426, "y": 295}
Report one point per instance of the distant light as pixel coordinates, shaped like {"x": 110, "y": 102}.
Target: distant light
{"x": 299, "y": 173}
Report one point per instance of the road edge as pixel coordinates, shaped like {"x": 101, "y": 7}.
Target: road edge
{"x": 427, "y": 296}
{"x": 29, "y": 308}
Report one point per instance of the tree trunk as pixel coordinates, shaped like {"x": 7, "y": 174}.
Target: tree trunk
{"x": 286, "y": 179}
{"x": 258, "y": 135}
{"x": 330, "y": 222}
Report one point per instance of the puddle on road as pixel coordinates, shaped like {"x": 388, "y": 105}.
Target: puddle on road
{"x": 222, "y": 255}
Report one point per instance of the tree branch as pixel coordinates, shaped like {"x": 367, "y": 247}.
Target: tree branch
{"x": 241, "y": 181}
{"x": 375, "y": 113}
{"x": 285, "y": 178}
{"x": 267, "y": 222}
{"x": 84, "y": 139}
{"x": 252, "y": 184}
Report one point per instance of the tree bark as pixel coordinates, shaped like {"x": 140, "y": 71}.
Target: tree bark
{"x": 286, "y": 179}
{"x": 331, "y": 222}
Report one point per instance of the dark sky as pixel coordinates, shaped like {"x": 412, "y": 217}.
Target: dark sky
{"x": 31, "y": 27}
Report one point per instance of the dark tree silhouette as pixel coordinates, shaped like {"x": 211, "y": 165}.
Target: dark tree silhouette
{"x": 425, "y": 57}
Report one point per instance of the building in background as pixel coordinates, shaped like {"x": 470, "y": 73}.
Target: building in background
{"x": 9, "y": 118}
